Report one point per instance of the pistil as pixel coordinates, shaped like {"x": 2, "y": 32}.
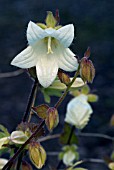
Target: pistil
{"x": 49, "y": 46}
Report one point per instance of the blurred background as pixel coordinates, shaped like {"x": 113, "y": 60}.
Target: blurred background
{"x": 94, "y": 25}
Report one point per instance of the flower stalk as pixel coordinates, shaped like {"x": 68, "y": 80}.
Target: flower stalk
{"x": 67, "y": 90}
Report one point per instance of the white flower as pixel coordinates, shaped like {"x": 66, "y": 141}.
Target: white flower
{"x": 78, "y": 111}
{"x": 48, "y": 50}
{"x": 68, "y": 158}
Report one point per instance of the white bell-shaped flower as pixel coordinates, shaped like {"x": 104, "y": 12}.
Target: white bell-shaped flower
{"x": 48, "y": 51}
{"x": 78, "y": 111}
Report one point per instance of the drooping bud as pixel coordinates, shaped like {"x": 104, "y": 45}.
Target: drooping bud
{"x": 52, "y": 118}
{"x": 50, "y": 20}
{"x": 37, "y": 154}
{"x": 87, "y": 70}
{"x": 64, "y": 78}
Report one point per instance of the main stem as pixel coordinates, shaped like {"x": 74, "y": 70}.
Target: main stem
{"x": 30, "y": 100}
{"x": 10, "y": 162}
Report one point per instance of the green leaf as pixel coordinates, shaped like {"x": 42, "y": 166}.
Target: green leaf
{"x": 2, "y": 135}
{"x": 46, "y": 96}
{"x": 3, "y": 129}
{"x": 41, "y": 110}
{"x": 65, "y": 135}
{"x": 53, "y": 92}
{"x": 92, "y": 98}
{"x": 61, "y": 154}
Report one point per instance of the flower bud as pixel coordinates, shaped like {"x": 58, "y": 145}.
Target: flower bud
{"x": 64, "y": 78}
{"x": 50, "y": 20}
{"x": 69, "y": 154}
{"x": 87, "y": 70}
{"x": 78, "y": 111}
{"x": 52, "y": 118}
{"x": 37, "y": 154}
{"x": 18, "y": 137}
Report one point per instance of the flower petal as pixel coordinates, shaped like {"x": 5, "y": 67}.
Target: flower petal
{"x": 50, "y": 31}
{"x": 26, "y": 59}
{"x": 47, "y": 69}
{"x": 34, "y": 33}
{"x": 65, "y": 35}
{"x": 66, "y": 59}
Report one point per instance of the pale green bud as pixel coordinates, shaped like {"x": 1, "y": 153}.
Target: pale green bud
{"x": 37, "y": 154}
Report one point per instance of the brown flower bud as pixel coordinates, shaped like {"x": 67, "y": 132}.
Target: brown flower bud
{"x": 87, "y": 70}
{"x": 37, "y": 154}
{"x": 64, "y": 78}
{"x": 52, "y": 118}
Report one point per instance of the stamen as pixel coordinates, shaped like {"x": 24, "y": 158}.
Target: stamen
{"x": 49, "y": 46}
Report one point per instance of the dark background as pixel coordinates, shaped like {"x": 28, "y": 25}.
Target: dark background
{"x": 94, "y": 24}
